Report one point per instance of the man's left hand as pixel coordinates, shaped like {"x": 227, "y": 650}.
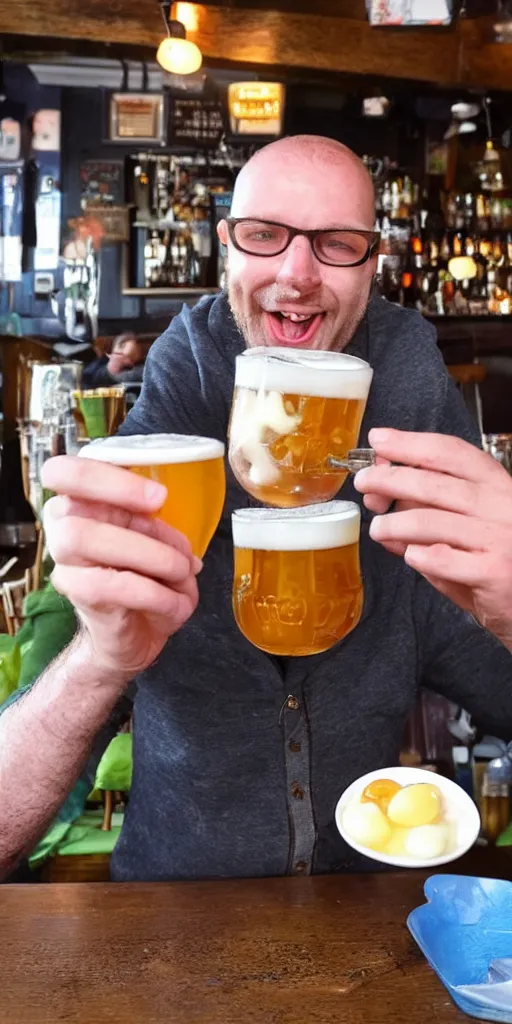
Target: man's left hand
{"x": 452, "y": 520}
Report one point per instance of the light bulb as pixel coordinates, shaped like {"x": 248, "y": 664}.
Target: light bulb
{"x": 466, "y": 127}
{"x": 179, "y": 56}
{"x": 462, "y": 268}
{"x": 491, "y": 155}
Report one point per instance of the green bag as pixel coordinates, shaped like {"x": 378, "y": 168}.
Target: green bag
{"x": 115, "y": 768}
{"x": 10, "y": 666}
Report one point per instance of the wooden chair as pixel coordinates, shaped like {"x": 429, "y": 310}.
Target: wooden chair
{"x": 14, "y": 588}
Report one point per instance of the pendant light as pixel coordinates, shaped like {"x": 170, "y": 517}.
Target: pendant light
{"x": 177, "y": 54}
{"x": 489, "y": 169}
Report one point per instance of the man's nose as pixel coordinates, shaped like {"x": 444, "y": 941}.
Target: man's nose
{"x": 299, "y": 267}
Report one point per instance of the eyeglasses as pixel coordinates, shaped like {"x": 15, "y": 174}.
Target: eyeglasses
{"x": 341, "y": 247}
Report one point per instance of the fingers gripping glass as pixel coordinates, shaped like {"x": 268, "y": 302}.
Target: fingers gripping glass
{"x": 342, "y": 247}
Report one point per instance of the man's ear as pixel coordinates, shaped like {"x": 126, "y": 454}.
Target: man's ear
{"x": 222, "y": 231}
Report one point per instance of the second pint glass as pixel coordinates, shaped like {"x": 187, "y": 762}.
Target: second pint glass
{"x": 293, "y": 414}
{"x": 297, "y": 587}
{"x": 192, "y": 469}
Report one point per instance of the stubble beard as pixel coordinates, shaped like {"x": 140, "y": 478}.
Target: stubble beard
{"x": 248, "y": 327}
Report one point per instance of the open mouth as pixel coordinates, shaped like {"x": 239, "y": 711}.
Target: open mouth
{"x": 293, "y": 328}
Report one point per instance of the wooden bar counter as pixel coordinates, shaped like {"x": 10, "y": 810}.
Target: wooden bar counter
{"x": 320, "y": 950}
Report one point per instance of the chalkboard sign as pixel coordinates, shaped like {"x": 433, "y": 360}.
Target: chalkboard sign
{"x": 101, "y": 181}
{"x": 195, "y": 122}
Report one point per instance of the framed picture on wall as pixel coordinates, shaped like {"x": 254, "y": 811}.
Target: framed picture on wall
{"x": 136, "y": 117}
{"x": 114, "y": 220}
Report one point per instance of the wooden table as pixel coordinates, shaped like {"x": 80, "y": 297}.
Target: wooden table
{"x": 321, "y": 950}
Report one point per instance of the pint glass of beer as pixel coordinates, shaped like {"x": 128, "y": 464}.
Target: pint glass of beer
{"x": 192, "y": 469}
{"x": 293, "y": 416}
{"x": 297, "y": 585}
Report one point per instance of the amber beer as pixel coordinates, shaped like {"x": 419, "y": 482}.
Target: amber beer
{"x": 292, "y": 414}
{"x": 192, "y": 469}
{"x": 297, "y": 587}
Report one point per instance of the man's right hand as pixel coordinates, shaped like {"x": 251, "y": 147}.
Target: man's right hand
{"x": 131, "y": 578}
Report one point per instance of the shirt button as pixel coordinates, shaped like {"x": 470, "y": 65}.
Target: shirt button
{"x": 292, "y": 703}
{"x": 297, "y": 791}
{"x": 294, "y": 746}
{"x": 300, "y": 867}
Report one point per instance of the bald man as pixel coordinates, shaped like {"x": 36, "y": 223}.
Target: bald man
{"x": 239, "y": 757}
{"x": 308, "y": 183}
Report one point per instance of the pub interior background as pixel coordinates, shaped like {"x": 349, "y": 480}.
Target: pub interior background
{"x": 113, "y": 174}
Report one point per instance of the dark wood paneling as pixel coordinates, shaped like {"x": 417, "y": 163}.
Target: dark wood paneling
{"x": 135, "y": 21}
{"x": 459, "y": 55}
{"x": 484, "y": 62}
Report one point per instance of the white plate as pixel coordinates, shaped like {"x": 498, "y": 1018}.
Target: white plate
{"x": 458, "y": 806}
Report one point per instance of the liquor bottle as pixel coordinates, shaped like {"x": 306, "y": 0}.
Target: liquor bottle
{"x": 438, "y": 295}
{"x": 408, "y": 280}
{"x": 498, "y": 255}
{"x": 495, "y": 795}
{"x": 407, "y": 197}
{"x": 507, "y": 268}
{"x": 460, "y": 215}
{"x": 469, "y": 210}
{"x": 445, "y": 250}
{"x": 495, "y": 807}
{"x": 448, "y": 290}
{"x": 451, "y": 211}
{"x": 496, "y": 213}
{"x": 417, "y": 249}
{"x": 396, "y": 193}
{"x": 385, "y": 237}
{"x": 434, "y": 253}
{"x": 458, "y": 244}
{"x": 482, "y": 212}
{"x": 391, "y": 282}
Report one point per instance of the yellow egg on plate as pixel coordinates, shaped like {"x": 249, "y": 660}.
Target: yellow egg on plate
{"x": 367, "y": 825}
{"x": 380, "y": 792}
{"x": 396, "y": 845}
{"x": 426, "y": 841}
{"x": 420, "y": 804}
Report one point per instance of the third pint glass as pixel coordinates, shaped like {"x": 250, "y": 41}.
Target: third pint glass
{"x": 297, "y": 586}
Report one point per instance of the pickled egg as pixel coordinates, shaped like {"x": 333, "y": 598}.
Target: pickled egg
{"x": 367, "y": 825}
{"x": 380, "y": 792}
{"x": 396, "y": 845}
{"x": 415, "y": 805}
{"x": 426, "y": 841}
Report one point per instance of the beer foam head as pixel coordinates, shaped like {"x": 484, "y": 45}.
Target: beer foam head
{"x": 333, "y": 524}
{"x": 315, "y": 374}
{"x": 153, "y": 449}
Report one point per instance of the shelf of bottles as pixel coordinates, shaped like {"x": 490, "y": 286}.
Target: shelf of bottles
{"x": 455, "y": 260}
{"x": 173, "y": 243}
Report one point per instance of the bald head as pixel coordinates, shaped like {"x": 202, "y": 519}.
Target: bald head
{"x": 306, "y": 168}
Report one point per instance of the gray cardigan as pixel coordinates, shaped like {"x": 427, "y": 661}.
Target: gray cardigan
{"x": 230, "y": 778}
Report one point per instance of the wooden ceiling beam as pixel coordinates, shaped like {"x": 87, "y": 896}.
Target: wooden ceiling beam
{"x": 325, "y": 43}
{"x": 460, "y": 56}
